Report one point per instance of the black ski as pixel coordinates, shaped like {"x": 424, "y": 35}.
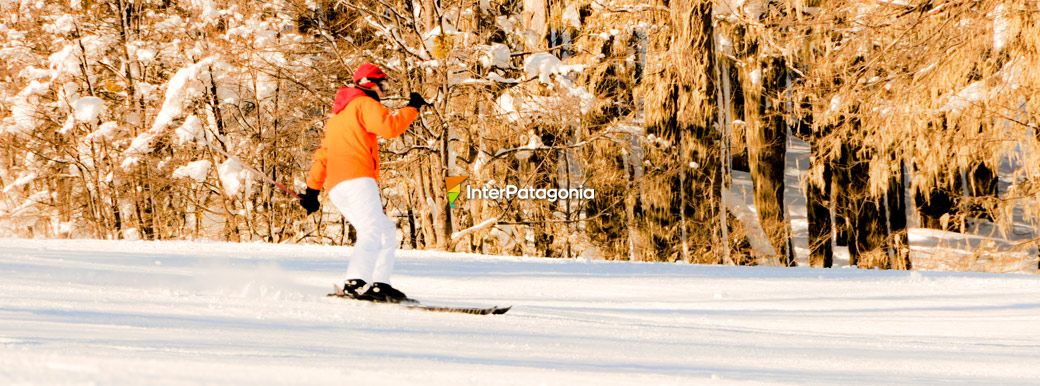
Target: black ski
{"x": 416, "y": 305}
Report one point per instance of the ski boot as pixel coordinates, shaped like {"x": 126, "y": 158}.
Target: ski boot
{"x": 384, "y": 293}
{"x": 353, "y": 287}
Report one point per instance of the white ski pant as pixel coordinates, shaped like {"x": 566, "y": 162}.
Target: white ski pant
{"x": 358, "y": 200}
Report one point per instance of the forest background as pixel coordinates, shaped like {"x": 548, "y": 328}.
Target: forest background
{"x": 163, "y": 119}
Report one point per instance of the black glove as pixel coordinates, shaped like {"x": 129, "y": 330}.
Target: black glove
{"x": 416, "y": 100}
{"x": 309, "y": 200}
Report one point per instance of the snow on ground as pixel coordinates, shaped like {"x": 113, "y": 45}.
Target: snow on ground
{"x": 107, "y": 312}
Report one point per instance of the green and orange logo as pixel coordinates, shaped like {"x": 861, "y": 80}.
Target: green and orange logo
{"x": 454, "y": 186}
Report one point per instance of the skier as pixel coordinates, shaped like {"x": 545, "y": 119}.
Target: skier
{"x": 347, "y": 165}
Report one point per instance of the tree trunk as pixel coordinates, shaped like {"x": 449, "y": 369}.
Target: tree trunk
{"x": 767, "y": 144}
{"x": 895, "y": 211}
{"x": 818, "y": 199}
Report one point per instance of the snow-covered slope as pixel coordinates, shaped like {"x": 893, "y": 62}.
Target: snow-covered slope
{"x": 189, "y": 313}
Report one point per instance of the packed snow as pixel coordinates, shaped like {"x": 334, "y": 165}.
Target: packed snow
{"x": 119, "y": 312}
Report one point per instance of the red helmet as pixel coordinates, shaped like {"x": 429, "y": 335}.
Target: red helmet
{"x": 366, "y": 73}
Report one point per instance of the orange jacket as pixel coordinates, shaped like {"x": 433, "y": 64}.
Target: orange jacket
{"x": 350, "y": 148}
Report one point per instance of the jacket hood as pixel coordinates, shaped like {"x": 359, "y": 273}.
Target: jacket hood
{"x": 347, "y": 94}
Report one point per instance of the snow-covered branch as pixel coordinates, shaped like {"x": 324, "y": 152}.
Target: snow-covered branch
{"x": 479, "y": 226}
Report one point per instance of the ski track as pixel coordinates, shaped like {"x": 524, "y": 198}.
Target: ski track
{"x": 108, "y": 312}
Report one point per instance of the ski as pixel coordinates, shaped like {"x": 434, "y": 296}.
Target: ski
{"x": 416, "y": 305}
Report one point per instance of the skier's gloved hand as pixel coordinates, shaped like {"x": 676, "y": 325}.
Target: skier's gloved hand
{"x": 416, "y": 100}
{"x": 309, "y": 200}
